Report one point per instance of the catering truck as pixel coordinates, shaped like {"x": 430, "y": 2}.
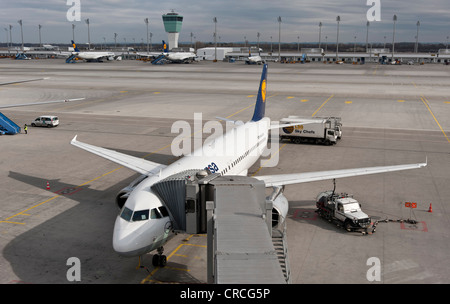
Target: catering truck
{"x": 322, "y": 130}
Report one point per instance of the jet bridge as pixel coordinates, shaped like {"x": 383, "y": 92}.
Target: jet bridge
{"x": 233, "y": 210}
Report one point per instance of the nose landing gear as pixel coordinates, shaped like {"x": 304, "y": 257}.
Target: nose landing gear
{"x": 159, "y": 259}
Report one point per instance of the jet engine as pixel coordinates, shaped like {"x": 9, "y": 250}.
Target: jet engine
{"x": 123, "y": 194}
{"x": 280, "y": 206}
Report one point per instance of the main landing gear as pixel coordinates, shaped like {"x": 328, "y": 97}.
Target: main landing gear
{"x": 159, "y": 259}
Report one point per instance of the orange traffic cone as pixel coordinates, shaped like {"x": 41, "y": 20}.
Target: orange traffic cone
{"x": 48, "y": 186}
{"x": 430, "y": 209}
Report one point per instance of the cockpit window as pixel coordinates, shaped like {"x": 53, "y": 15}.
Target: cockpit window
{"x": 140, "y": 215}
{"x": 126, "y": 214}
{"x": 163, "y": 211}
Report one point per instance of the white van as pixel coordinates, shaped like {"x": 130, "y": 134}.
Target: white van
{"x": 45, "y": 121}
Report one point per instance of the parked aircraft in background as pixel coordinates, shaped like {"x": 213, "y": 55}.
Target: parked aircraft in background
{"x": 91, "y": 56}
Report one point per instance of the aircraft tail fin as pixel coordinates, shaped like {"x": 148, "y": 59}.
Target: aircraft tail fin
{"x": 260, "y": 107}
{"x": 75, "y": 48}
{"x": 165, "y": 47}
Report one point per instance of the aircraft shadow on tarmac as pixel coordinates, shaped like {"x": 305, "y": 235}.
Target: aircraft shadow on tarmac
{"x": 40, "y": 254}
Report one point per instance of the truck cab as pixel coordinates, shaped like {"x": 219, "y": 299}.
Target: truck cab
{"x": 331, "y": 136}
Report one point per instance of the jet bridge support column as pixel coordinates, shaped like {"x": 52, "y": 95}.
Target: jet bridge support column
{"x": 210, "y": 242}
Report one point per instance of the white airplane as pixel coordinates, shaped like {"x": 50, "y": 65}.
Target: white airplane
{"x": 175, "y": 57}
{"x": 178, "y": 57}
{"x": 253, "y": 59}
{"x": 92, "y": 56}
{"x": 144, "y": 225}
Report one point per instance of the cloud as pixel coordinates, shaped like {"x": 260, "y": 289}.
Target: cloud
{"x": 236, "y": 19}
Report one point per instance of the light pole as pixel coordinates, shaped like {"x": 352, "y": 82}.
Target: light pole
{"x": 89, "y": 34}
{"x": 151, "y": 35}
{"x": 7, "y": 42}
{"x": 257, "y": 35}
{"x": 146, "y": 22}
{"x": 279, "y": 38}
{"x": 338, "y": 19}
{"x": 320, "y": 32}
{"x": 115, "y": 41}
{"x": 21, "y": 31}
{"x": 73, "y": 32}
{"x": 215, "y": 39}
{"x": 367, "y": 36}
{"x": 10, "y": 35}
{"x": 416, "y": 49}
{"x": 271, "y": 44}
{"x": 393, "y": 36}
{"x": 40, "y": 41}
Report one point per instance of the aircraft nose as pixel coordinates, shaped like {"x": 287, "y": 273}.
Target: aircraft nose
{"x": 125, "y": 242}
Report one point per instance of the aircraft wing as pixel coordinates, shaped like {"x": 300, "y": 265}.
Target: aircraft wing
{"x": 296, "y": 178}
{"x": 134, "y": 163}
{"x": 39, "y": 103}
{"x": 21, "y": 81}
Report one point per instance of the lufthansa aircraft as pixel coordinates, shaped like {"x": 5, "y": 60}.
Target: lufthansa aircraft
{"x": 179, "y": 57}
{"x": 92, "y": 56}
{"x": 174, "y": 57}
{"x": 255, "y": 59}
{"x": 143, "y": 223}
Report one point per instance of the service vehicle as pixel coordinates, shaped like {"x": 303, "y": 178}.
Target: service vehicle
{"x": 45, "y": 121}
{"x": 323, "y": 130}
{"x": 343, "y": 210}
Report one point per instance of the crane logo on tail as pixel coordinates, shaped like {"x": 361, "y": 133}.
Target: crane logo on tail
{"x": 263, "y": 90}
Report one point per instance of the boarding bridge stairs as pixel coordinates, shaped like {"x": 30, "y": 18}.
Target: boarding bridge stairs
{"x": 71, "y": 59}
{"x": 279, "y": 240}
{"x": 7, "y": 126}
{"x": 159, "y": 60}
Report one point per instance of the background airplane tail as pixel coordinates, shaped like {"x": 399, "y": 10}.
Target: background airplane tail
{"x": 260, "y": 107}
{"x": 75, "y": 48}
{"x": 165, "y": 48}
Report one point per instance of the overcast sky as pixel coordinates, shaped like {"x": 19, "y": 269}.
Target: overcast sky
{"x": 236, "y": 20}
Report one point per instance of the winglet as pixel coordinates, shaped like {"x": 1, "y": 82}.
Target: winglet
{"x": 260, "y": 107}
{"x": 74, "y": 139}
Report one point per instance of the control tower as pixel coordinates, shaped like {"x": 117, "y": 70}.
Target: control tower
{"x": 172, "y": 25}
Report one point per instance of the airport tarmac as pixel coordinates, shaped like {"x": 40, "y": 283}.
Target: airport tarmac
{"x": 391, "y": 115}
